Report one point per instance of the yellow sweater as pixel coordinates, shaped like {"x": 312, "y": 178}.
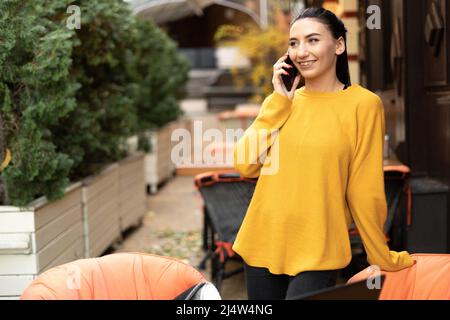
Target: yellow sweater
{"x": 329, "y": 173}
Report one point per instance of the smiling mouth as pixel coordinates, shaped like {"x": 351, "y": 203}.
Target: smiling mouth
{"x": 306, "y": 63}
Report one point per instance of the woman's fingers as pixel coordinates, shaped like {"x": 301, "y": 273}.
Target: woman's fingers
{"x": 281, "y": 71}
{"x": 296, "y": 81}
{"x": 278, "y": 71}
{"x": 281, "y": 60}
{"x": 284, "y": 64}
{"x": 294, "y": 86}
{"x": 280, "y": 67}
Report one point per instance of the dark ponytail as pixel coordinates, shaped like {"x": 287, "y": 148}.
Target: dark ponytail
{"x": 337, "y": 28}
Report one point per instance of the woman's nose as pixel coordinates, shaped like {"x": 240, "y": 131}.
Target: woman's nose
{"x": 302, "y": 51}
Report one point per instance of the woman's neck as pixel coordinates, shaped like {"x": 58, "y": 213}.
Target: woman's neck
{"x": 324, "y": 85}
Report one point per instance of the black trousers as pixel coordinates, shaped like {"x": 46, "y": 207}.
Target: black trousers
{"x": 263, "y": 285}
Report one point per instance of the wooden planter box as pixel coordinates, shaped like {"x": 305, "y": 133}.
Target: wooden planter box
{"x": 83, "y": 224}
{"x": 100, "y": 199}
{"x": 158, "y": 163}
{"x": 37, "y": 238}
{"x": 132, "y": 191}
{"x": 183, "y": 123}
{"x": 239, "y": 118}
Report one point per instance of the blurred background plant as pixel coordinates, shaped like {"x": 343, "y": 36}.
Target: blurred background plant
{"x": 263, "y": 47}
{"x": 93, "y": 133}
{"x": 71, "y": 98}
{"x": 157, "y": 82}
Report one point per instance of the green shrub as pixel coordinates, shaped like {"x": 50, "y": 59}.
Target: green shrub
{"x": 93, "y": 134}
{"x": 36, "y": 91}
{"x": 70, "y": 99}
{"x": 159, "y": 73}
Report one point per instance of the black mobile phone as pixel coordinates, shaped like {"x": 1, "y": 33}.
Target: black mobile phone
{"x": 288, "y": 80}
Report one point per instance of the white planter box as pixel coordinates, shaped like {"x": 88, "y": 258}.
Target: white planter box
{"x": 158, "y": 163}
{"x": 100, "y": 199}
{"x": 183, "y": 123}
{"x": 132, "y": 191}
{"x": 37, "y": 238}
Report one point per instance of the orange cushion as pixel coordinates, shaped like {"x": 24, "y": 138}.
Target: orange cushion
{"x": 119, "y": 276}
{"x": 428, "y": 278}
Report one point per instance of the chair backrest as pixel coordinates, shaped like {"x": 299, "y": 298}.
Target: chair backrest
{"x": 118, "y": 276}
{"x": 226, "y": 195}
{"x": 395, "y": 179}
{"x": 395, "y": 183}
{"x": 201, "y": 291}
{"x": 427, "y": 279}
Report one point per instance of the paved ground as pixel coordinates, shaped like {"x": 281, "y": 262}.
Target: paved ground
{"x": 173, "y": 227}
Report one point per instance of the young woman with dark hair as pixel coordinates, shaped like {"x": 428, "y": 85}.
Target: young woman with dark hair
{"x": 329, "y": 136}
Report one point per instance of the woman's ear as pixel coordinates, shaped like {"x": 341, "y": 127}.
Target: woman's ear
{"x": 340, "y": 46}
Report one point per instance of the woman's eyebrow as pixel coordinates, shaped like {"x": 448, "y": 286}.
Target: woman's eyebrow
{"x": 308, "y": 36}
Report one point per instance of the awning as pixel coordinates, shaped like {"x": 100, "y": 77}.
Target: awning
{"x": 163, "y": 11}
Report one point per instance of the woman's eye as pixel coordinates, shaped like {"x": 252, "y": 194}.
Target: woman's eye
{"x": 313, "y": 40}
{"x": 292, "y": 44}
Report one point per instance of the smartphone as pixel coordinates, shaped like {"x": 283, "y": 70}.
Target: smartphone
{"x": 288, "y": 80}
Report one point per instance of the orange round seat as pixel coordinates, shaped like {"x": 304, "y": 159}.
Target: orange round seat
{"x": 119, "y": 276}
{"x": 427, "y": 279}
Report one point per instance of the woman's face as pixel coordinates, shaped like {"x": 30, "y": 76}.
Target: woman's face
{"x": 313, "y": 49}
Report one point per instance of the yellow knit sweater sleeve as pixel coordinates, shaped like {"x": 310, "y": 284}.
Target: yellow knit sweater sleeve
{"x": 251, "y": 149}
{"x": 365, "y": 193}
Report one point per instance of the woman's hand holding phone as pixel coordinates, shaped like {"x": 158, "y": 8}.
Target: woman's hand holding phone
{"x": 277, "y": 81}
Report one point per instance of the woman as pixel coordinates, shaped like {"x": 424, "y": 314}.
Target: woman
{"x": 329, "y": 136}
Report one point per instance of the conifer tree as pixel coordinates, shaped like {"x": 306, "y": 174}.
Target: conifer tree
{"x": 160, "y": 73}
{"x": 70, "y": 98}
{"x": 36, "y": 90}
{"x": 93, "y": 134}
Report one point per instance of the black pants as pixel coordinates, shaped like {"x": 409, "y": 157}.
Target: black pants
{"x": 263, "y": 285}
